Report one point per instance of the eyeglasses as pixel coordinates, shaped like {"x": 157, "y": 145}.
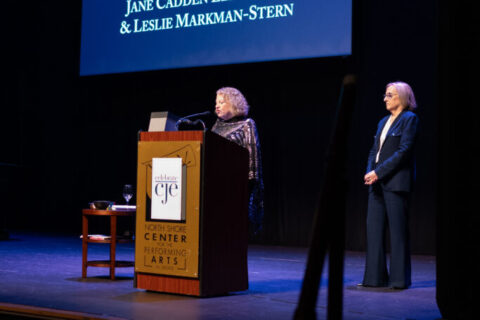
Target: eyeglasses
{"x": 389, "y": 95}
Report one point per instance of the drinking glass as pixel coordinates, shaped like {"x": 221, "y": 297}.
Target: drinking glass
{"x": 127, "y": 192}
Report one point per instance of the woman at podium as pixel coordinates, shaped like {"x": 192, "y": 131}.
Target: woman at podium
{"x": 233, "y": 123}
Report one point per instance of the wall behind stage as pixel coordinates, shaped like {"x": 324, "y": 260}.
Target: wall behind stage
{"x": 74, "y": 139}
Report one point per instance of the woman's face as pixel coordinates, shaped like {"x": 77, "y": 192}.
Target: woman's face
{"x": 392, "y": 100}
{"x": 223, "y": 108}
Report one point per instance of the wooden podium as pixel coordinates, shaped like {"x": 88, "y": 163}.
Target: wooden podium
{"x": 204, "y": 254}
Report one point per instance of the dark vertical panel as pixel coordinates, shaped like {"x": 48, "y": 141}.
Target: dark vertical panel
{"x": 457, "y": 216}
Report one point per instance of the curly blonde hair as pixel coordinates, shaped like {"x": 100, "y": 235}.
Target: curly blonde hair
{"x": 235, "y": 97}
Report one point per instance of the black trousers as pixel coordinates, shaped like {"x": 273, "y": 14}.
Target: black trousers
{"x": 392, "y": 208}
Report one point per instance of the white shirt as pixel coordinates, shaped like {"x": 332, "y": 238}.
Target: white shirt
{"x": 383, "y": 136}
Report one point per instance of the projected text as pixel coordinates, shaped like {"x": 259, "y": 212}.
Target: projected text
{"x": 187, "y": 19}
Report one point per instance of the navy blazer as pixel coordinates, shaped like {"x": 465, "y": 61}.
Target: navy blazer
{"x": 396, "y": 164}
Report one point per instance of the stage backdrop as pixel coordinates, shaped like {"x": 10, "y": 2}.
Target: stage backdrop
{"x": 75, "y": 138}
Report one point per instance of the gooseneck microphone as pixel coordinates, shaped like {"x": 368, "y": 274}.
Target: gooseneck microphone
{"x": 186, "y": 120}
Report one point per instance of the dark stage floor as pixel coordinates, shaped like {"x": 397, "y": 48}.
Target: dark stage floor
{"x": 44, "y": 270}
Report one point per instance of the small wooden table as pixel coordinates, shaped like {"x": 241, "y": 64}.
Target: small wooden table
{"x": 112, "y": 263}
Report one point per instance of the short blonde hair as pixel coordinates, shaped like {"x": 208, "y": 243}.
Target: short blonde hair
{"x": 235, "y": 97}
{"x": 405, "y": 93}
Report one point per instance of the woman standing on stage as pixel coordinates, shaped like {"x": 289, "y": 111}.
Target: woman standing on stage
{"x": 390, "y": 176}
{"x": 233, "y": 124}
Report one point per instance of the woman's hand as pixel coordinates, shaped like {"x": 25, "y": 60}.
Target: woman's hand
{"x": 370, "y": 178}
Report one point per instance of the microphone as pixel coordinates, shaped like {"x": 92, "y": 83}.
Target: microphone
{"x": 186, "y": 119}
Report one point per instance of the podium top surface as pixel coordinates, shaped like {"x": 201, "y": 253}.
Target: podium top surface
{"x": 172, "y": 136}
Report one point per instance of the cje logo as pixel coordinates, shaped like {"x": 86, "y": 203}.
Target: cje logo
{"x": 166, "y": 187}
{"x": 168, "y": 192}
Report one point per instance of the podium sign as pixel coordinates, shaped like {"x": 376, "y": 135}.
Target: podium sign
{"x": 167, "y": 186}
{"x": 167, "y": 237}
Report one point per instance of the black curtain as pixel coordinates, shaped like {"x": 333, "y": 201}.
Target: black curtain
{"x": 457, "y": 215}
{"x": 75, "y": 138}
